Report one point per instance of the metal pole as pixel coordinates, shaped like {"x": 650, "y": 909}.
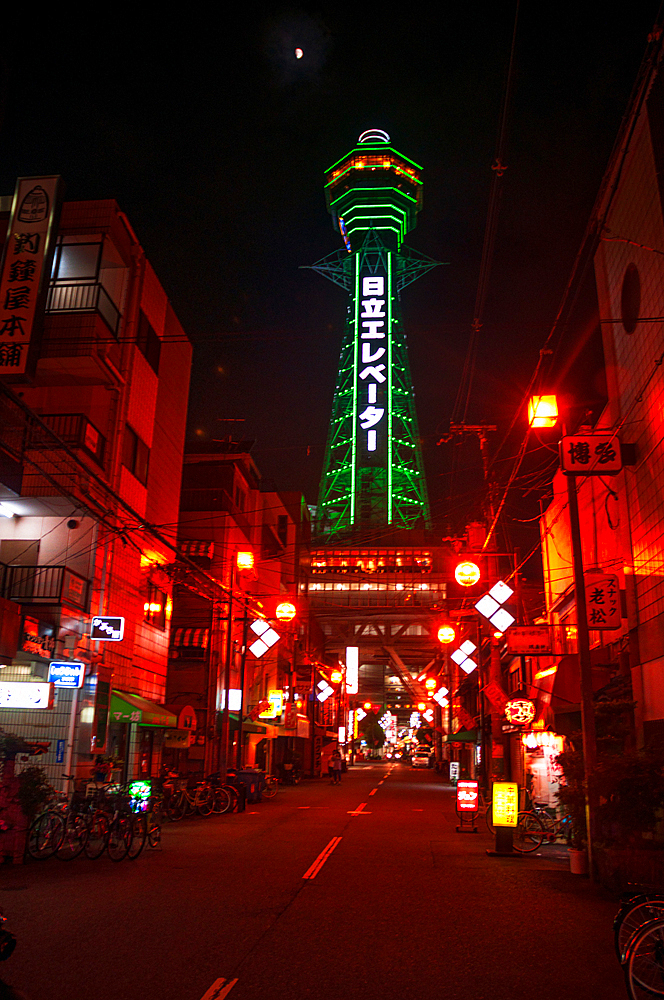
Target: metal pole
{"x": 225, "y": 720}
{"x": 245, "y": 627}
{"x": 587, "y": 709}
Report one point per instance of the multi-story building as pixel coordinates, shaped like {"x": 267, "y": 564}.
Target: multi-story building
{"x": 91, "y": 452}
{"x": 253, "y": 543}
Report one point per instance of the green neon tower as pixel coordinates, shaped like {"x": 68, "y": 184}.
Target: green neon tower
{"x": 373, "y": 475}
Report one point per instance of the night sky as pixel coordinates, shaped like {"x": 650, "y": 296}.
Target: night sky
{"x": 214, "y": 138}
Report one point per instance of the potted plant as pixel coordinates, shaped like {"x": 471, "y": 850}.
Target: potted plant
{"x": 572, "y": 797}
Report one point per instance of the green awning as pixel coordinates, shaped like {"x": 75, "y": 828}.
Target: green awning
{"x": 132, "y": 708}
{"x": 466, "y": 736}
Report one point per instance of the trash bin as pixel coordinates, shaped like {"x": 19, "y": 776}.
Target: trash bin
{"x": 254, "y": 783}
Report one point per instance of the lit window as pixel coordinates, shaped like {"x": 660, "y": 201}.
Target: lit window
{"x": 154, "y": 608}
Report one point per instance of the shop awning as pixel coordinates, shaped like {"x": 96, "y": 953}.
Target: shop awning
{"x": 465, "y": 736}
{"x": 132, "y": 708}
{"x": 191, "y": 638}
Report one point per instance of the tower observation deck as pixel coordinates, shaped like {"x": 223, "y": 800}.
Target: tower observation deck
{"x": 373, "y": 475}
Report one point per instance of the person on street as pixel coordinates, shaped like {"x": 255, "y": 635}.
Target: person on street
{"x": 337, "y": 765}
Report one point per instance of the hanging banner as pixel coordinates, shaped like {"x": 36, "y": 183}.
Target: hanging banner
{"x": 602, "y": 601}
{"x": 25, "y": 272}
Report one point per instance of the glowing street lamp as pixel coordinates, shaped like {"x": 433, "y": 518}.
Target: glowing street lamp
{"x": 285, "y": 611}
{"x": 543, "y": 411}
{"x": 244, "y": 561}
{"x": 446, "y": 634}
{"x": 467, "y": 573}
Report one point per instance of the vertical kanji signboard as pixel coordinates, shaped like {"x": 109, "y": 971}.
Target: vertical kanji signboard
{"x": 602, "y": 601}
{"x": 25, "y": 272}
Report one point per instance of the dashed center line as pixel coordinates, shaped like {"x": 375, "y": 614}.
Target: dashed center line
{"x": 373, "y": 791}
{"x": 358, "y": 811}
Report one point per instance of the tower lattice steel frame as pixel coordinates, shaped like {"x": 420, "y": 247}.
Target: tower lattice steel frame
{"x": 373, "y": 475}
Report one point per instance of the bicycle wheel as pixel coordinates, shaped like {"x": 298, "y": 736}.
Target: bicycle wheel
{"x": 529, "y": 833}
{"x": 154, "y": 829}
{"x": 271, "y": 788}
{"x": 95, "y": 845}
{"x": 45, "y": 835}
{"x": 73, "y": 842}
{"x": 204, "y": 801}
{"x": 119, "y": 838}
{"x": 634, "y": 914}
{"x": 138, "y": 835}
{"x": 222, "y": 800}
{"x": 644, "y": 962}
{"x": 176, "y": 807}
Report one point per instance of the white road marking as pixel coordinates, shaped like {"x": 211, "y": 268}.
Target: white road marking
{"x": 218, "y": 990}
{"x": 373, "y": 791}
{"x": 358, "y": 811}
{"x": 304, "y": 807}
{"x": 313, "y": 870}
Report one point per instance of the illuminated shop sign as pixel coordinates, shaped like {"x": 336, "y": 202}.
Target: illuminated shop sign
{"x": 505, "y": 805}
{"x": 520, "y": 711}
{"x": 352, "y": 669}
{"x": 67, "y": 674}
{"x": 373, "y": 361}
{"x": 276, "y": 700}
{"x": 25, "y": 694}
{"x": 107, "y": 628}
{"x": 467, "y": 796}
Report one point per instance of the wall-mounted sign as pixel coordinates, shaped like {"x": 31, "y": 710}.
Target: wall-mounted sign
{"x": 107, "y": 629}
{"x": 37, "y": 638}
{"x": 505, "y": 803}
{"x": 177, "y": 739}
{"x": 590, "y": 455}
{"x": 352, "y": 669}
{"x": 467, "y": 796}
{"x": 26, "y": 694}
{"x": 520, "y": 711}
{"x": 276, "y": 700}
{"x": 528, "y": 640}
{"x": 602, "y": 600}
{"x": 66, "y": 674}
{"x": 26, "y": 270}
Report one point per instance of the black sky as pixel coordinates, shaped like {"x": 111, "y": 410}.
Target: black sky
{"x": 214, "y": 138}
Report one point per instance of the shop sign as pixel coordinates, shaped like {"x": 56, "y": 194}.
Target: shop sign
{"x": 66, "y": 674}
{"x": 454, "y": 769}
{"x": 26, "y": 694}
{"x": 520, "y": 711}
{"x": 528, "y": 640}
{"x": 73, "y": 589}
{"x": 275, "y": 706}
{"x": 602, "y": 601}
{"x": 26, "y": 270}
{"x": 505, "y": 805}
{"x": 178, "y": 739}
{"x": 290, "y": 717}
{"x": 465, "y": 718}
{"x": 106, "y": 629}
{"x": 496, "y": 695}
{"x": 590, "y": 455}
{"x": 467, "y": 796}
{"x": 35, "y": 639}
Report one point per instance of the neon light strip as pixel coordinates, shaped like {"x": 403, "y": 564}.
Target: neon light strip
{"x": 389, "y": 388}
{"x": 353, "y": 483}
{"x": 379, "y": 148}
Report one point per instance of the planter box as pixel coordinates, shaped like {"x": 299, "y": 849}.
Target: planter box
{"x": 618, "y": 868}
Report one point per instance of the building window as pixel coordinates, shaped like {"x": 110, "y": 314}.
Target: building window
{"x": 155, "y": 607}
{"x": 135, "y": 455}
{"x": 148, "y": 342}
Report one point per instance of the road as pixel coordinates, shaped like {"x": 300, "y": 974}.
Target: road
{"x": 398, "y": 905}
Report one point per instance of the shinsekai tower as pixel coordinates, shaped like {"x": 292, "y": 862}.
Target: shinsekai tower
{"x": 373, "y": 476}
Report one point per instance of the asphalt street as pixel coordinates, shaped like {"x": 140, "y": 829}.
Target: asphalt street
{"x": 363, "y": 889}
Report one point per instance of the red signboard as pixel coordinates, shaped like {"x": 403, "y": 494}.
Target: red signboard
{"x": 468, "y": 796}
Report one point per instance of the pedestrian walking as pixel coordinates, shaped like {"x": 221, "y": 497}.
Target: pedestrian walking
{"x": 337, "y": 765}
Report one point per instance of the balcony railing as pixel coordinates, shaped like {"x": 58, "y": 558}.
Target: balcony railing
{"x": 44, "y": 585}
{"x": 84, "y": 296}
{"x": 75, "y": 430}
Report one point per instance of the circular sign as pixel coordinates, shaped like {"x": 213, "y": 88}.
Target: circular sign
{"x": 467, "y": 573}
{"x": 285, "y": 611}
{"x": 520, "y": 711}
{"x": 446, "y": 634}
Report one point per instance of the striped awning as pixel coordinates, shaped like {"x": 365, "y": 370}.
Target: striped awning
{"x": 193, "y": 638}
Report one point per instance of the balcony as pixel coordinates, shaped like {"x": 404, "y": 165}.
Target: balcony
{"x": 75, "y": 430}
{"x": 44, "y": 585}
{"x": 84, "y": 296}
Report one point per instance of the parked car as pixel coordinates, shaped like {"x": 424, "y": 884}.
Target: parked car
{"x": 421, "y": 758}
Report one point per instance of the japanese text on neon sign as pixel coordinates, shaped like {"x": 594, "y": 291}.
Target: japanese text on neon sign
{"x": 372, "y": 321}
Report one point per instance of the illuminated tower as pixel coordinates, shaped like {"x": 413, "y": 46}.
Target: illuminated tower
{"x": 373, "y": 477}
